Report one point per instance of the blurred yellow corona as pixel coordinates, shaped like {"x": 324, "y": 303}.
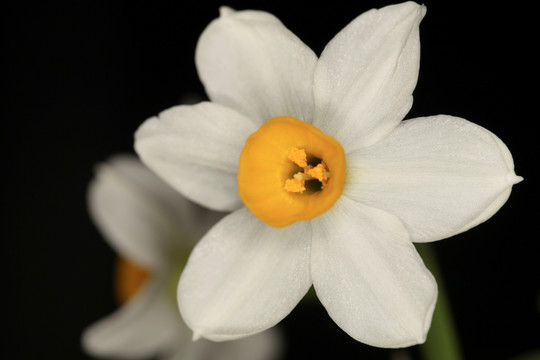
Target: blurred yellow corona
{"x": 130, "y": 277}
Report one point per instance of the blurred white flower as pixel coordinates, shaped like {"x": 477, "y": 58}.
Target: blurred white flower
{"x": 153, "y": 228}
{"x": 328, "y": 186}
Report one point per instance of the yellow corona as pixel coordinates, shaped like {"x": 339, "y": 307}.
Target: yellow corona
{"x": 290, "y": 171}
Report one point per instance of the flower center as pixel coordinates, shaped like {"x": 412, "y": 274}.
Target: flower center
{"x": 319, "y": 173}
{"x": 129, "y": 278}
{"x": 290, "y": 171}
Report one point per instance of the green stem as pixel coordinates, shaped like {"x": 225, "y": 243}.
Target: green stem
{"x": 442, "y": 341}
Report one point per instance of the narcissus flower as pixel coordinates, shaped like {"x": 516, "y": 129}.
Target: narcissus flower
{"x": 152, "y": 228}
{"x": 327, "y": 185}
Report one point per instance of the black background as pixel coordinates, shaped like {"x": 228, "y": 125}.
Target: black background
{"x": 82, "y": 76}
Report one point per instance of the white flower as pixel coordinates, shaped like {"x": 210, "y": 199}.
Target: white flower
{"x": 335, "y": 199}
{"x": 151, "y": 227}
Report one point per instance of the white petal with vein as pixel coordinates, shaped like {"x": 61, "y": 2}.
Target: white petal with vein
{"x": 369, "y": 277}
{"x": 244, "y": 277}
{"x": 440, "y": 175}
{"x": 366, "y": 75}
{"x": 250, "y": 62}
{"x": 195, "y": 148}
{"x": 142, "y": 217}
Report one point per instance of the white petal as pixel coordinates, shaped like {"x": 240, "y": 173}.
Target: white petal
{"x": 196, "y": 150}
{"x": 266, "y": 345}
{"x": 440, "y": 175}
{"x": 140, "y": 216}
{"x": 366, "y": 75}
{"x": 250, "y": 62}
{"x": 369, "y": 277}
{"x": 244, "y": 277}
{"x": 147, "y": 325}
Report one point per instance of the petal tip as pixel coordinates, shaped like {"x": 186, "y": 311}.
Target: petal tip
{"x": 418, "y": 334}
{"x": 421, "y": 11}
{"x": 196, "y": 335}
{"x": 91, "y": 341}
{"x": 225, "y": 11}
{"x": 417, "y": 11}
{"x": 514, "y": 179}
{"x": 429, "y": 317}
{"x": 86, "y": 341}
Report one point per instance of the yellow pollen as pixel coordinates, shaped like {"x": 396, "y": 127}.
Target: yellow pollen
{"x": 321, "y": 173}
{"x": 290, "y": 171}
{"x": 298, "y": 156}
{"x": 297, "y": 183}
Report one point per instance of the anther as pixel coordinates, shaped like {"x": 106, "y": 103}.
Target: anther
{"x": 319, "y": 172}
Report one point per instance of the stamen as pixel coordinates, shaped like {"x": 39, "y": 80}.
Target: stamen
{"x": 319, "y": 172}
{"x": 299, "y": 157}
{"x": 295, "y": 185}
